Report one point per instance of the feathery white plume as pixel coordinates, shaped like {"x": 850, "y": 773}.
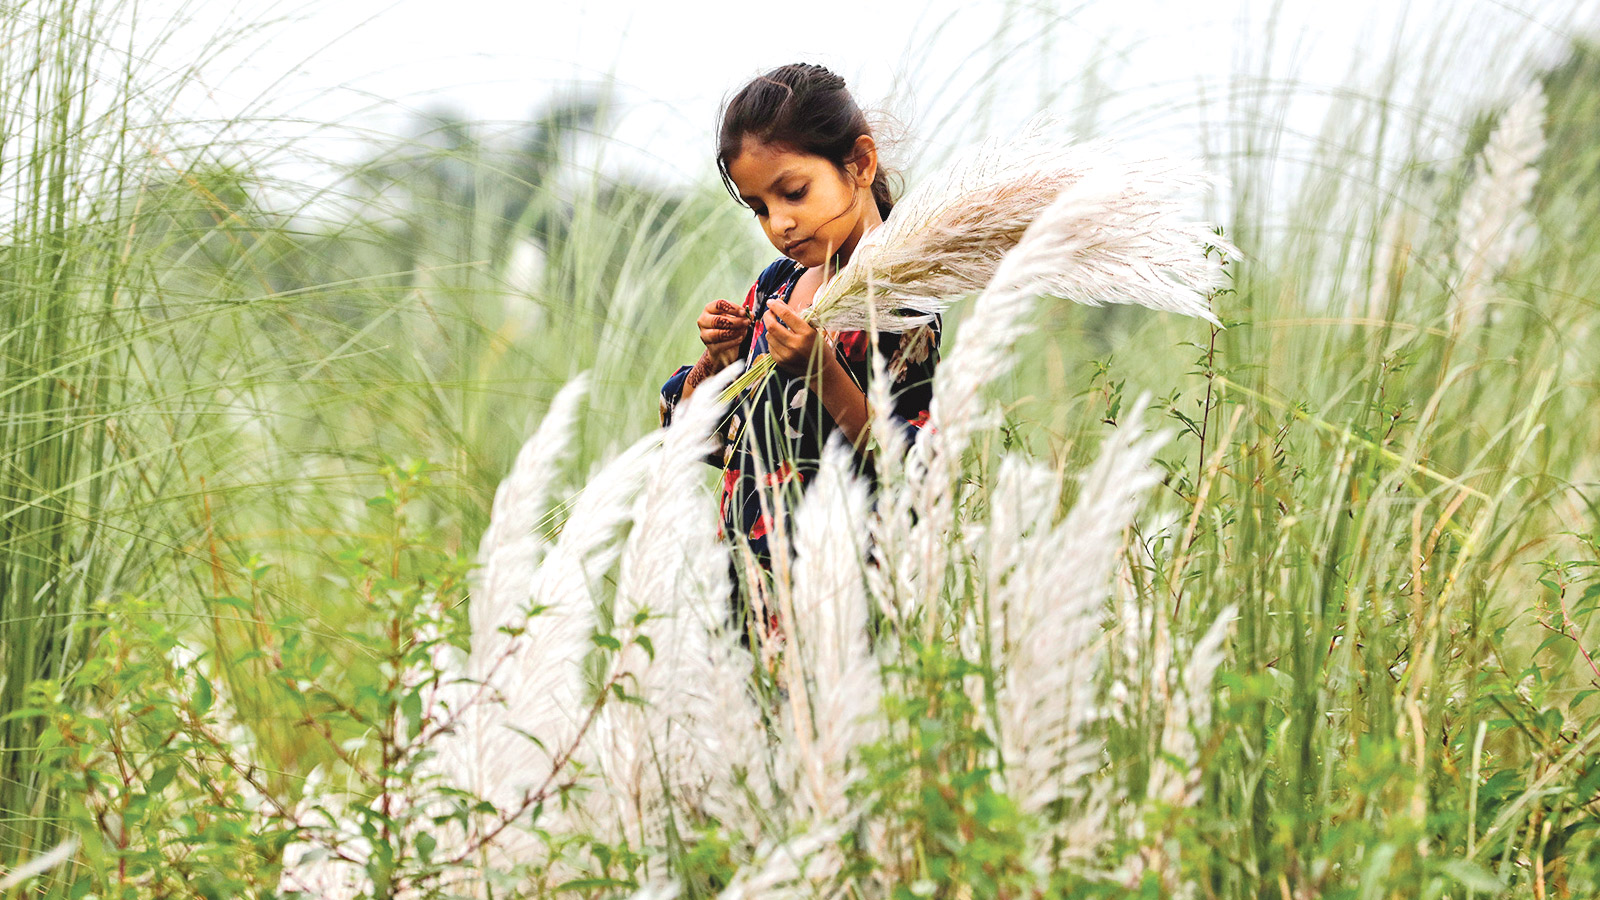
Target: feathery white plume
{"x": 1494, "y": 226}
{"x": 890, "y": 578}
{"x": 1122, "y": 239}
{"x": 1175, "y": 772}
{"x": 1116, "y": 234}
{"x": 40, "y": 864}
{"x": 1049, "y": 609}
{"x": 1022, "y": 507}
{"x": 511, "y": 546}
{"x": 535, "y": 674}
{"x": 792, "y": 868}
{"x": 947, "y": 237}
{"x": 947, "y": 234}
{"x": 835, "y": 699}
{"x": 697, "y": 724}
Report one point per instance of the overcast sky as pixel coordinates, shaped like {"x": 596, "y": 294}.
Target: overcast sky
{"x": 333, "y": 76}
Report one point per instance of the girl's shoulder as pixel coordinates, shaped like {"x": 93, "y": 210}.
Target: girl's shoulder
{"x": 776, "y": 276}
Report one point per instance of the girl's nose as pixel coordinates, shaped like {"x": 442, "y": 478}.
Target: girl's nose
{"x": 781, "y": 223}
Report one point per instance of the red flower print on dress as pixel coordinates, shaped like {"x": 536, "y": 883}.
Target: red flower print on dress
{"x": 921, "y": 419}
{"x": 853, "y": 344}
{"x": 763, "y": 525}
{"x": 785, "y": 474}
{"x": 730, "y": 480}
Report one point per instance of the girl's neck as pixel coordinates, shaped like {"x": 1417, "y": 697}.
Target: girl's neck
{"x": 869, "y": 220}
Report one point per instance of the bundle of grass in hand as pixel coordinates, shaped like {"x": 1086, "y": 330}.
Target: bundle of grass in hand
{"x": 946, "y": 238}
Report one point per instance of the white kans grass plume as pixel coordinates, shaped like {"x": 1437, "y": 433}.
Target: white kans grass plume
{"x": 1175, "y": 772}
{"x": 511, "y": 547}
{"x": 890, "y": 580}
{"x": 834, "y": 689}
{"x": 1126, "y": 241}
{"x": 787, "y": 869}
{"x": 1115, "y": 234}
{"x": 40, "y": 864}
{"x": 697, "y": 725}
{"x": 1023, "y": 501}
{"x": 1494, "y": 226}
{"x": 948, "y": 236}
{"x": 1391, "y": 258}
{"x": 1049, "y": 608}
{"x": 531, "y": 618}
{"x": 479, "y": 752}
{"x": 543, "y": 682}
{"x": 948, "y": 233}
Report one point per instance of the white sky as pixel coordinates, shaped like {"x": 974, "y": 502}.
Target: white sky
{"x": 351, "y": 70}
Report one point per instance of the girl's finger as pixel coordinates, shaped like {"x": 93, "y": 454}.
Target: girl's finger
{"x": 792, "y": 321}
{"x": 708, "y": 320}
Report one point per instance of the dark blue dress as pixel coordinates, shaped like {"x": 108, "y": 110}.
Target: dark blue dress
{"x": 772, "y": 439}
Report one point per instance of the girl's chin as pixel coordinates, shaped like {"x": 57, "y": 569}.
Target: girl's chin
{"x": 806, "y": 255}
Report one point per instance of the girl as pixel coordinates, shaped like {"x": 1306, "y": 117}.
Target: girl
{"x": 796, "y": 149}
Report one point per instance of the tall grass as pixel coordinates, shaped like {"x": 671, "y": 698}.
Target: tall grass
{"x": 70, "y": 468}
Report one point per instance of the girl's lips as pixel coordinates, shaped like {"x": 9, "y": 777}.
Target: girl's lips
{"x": 789, "y": 248}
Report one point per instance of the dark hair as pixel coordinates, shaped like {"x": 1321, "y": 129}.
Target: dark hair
{"x": 803, "y": 106}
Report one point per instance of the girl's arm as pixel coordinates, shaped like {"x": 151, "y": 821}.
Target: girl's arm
{"x": 841, "y": 398}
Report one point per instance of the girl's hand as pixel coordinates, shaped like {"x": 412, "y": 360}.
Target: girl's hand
{"x": 723, "y": 326}
{"x": 790, "y": 338}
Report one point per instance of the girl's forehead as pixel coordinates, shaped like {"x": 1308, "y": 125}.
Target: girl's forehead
{"x": 760, "y": 162}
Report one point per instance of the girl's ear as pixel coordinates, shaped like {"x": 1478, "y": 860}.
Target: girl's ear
{"x": 863, "y": 164}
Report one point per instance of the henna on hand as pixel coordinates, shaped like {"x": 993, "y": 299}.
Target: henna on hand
{"x": 703, "y": 368}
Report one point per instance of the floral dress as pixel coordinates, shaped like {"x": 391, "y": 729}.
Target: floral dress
{"x": 772, "y": 439}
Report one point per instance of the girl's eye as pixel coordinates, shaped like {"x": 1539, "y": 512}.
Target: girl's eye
{"x": 760, "y": 211}
{"x": 797, "y": 195}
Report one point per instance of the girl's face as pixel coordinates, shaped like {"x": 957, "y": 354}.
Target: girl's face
{"x": 808, "y": 209}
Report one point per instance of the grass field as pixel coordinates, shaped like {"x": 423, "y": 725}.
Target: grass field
{"x": 1331, "y": 637}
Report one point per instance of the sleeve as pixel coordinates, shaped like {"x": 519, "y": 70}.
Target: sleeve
{"x": 911, "y": 365}
{"x": 672, "y": 393}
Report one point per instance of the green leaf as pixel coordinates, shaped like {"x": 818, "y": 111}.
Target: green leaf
{"x": 162, "y": 777}
{"x": 1550, "y": 641}
{"x": 605, "y": 641}
{"x": 25, "y": 713}
{"x": 589, "y": 884}
{"x": 411, "y": 708}
{"x": 425, "y": 847}
{"x": 203, "y": 696}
